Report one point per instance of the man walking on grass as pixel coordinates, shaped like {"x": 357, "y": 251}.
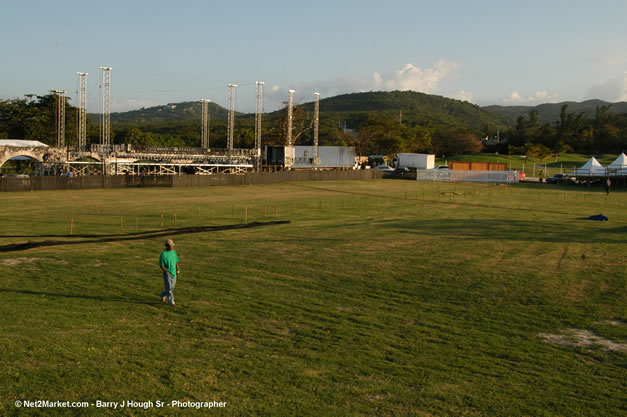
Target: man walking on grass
{"x": 608, "y": 185}
{"x": 169, "y": 263}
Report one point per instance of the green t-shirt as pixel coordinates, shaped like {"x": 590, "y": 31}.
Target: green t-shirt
{"x": 168, "y": 260}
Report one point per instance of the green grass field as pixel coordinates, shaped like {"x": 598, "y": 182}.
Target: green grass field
{"x": 388, "y": 297}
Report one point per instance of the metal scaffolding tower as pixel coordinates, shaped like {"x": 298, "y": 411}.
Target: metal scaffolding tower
{"x": 105, "y": 93}
{"x": 82, "y": 111}
{"x": 231, "y": 127}
{"x": 290, "y": 103}
{"x": 204, "y": 143}
{"x": 258, "y": 116}
{"x": 316, "y": 161}
{"x": 60, "y": 117}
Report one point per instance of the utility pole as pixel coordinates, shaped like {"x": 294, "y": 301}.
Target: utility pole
{"x": 105, "y": 121}
{"x": 82, "y": 111}
{"x": 204, "y": 142}
{"x": 231, "y": 127}
{"x": 289, "y": 117}
{"x": 316, "y": 161}
{"x": 258, "y": 116}
{"x": 60, "y": 117}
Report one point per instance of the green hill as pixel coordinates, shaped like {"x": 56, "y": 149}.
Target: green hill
{"x": 550, "y": 112}
{"x": 188, "y": 110}
{"x": 417, "y": 108}
{"x": 427, "y": 110}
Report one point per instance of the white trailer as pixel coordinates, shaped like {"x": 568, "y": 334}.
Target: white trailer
{"x": 414, "y": 161}
{"x": 302, "y": 157}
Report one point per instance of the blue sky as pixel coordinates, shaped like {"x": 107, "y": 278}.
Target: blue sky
{"x": 486, "y": 52}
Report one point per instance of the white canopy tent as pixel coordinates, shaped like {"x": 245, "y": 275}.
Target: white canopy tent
{"x": 21, "y": 143}
{"x": 619, "y": 163}
{"x": 592, "y": 168}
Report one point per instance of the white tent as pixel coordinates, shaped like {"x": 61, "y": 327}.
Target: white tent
{"x": 21, "y": 143}
{"x": 592, "y": 168}
{"x": 619, "y": 163}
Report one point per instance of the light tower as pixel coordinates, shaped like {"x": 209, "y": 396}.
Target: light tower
{"x": 82, "y": 111}
{"x": 105, "y": 122}
{"x": 289, "y": 117}
{"x": 316, "y": 161}
{"x": 231, "y": 126}
{"x": 60, "y": 117}
{"x": 204, "y": 143}
{"x": 258, "y": 115}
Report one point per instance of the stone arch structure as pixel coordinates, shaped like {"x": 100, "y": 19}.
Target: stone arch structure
{"x": 96, "y": 157}
{"x": 38, "y": 153}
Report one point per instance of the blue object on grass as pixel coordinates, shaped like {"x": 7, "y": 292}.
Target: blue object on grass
{"x": 601, "y": 217}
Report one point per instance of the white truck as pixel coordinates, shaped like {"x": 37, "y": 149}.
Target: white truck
{"x": 414, "y": 161}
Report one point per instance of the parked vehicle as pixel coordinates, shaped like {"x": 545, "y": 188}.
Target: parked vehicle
{"x": 383, "y": 168}
{"x": 414, "y": 161}
{"x": 561, "y": 179}
{"x": 376, "y": 160}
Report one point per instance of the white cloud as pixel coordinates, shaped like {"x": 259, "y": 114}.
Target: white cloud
{"x": 409, "y": 77}
{"x": 413, "y": 78}
{"x": 538, "y": 97}
{"x": 608, "y": 59}
{"x": 464, "y": 95}
{"x": 612, "y": 90}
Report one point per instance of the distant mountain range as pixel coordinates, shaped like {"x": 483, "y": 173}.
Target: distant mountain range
{"x": 409, "y": 106}
{"x": 550, "y": 112}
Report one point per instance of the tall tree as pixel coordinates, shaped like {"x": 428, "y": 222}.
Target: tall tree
{"x": 606, "y": 134}
{"x": 570, "y": 129}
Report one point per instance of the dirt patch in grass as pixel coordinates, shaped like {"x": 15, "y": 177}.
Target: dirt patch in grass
{"x": 313, "y": 372}
{"x": 579, "y": 290}
{"x": 18, "y": 261}
{"x": 612, "y": 322}
{"x": 582, "y": 338}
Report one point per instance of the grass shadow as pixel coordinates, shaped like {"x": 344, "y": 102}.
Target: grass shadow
{"x": 16, "y": 247}
{"x": 75, "y": 296}
{"x": 506, "y": 230}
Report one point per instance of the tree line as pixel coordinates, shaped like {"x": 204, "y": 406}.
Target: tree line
{"x": 573, "y": 132}
{"x": 370, "y": 132}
